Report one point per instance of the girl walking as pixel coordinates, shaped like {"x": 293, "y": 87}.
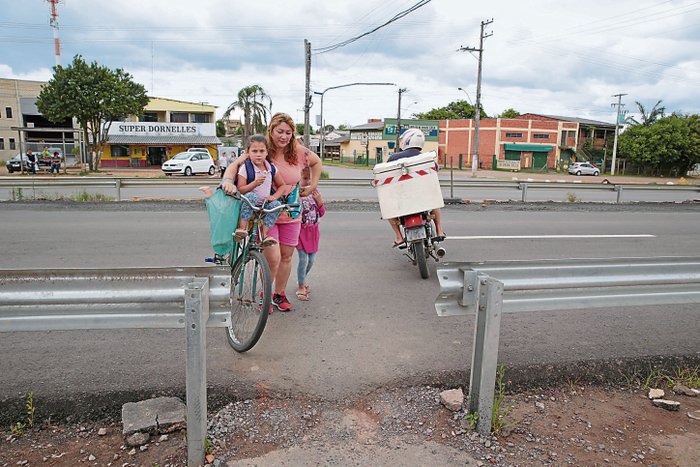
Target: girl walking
{"x": 309, "y": 236}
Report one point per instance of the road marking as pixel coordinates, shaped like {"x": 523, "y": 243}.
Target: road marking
{"x": 514, "y": 237}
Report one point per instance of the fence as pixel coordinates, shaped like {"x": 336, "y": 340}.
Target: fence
{"x": 487, "y": 289}
{"x": 116, "y": 184}
{"x": 148, "y": 298}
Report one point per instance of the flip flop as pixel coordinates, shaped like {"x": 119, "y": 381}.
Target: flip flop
{"x": 398, "y": 244}
{"x": 302, "y": 296}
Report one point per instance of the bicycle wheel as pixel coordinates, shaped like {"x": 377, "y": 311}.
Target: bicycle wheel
{"x": 250, "y": 299}
{"x": 419, "y": 250}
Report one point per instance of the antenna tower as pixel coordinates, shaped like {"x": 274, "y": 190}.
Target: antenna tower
{"x": 54, "y": 25}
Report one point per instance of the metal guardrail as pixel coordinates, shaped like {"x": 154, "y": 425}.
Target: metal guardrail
{"x": 488, "y": 289}
{"x": 75, "y": 299}
{"x": 43, "y": 183}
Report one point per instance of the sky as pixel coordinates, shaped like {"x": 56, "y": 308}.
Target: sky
{"x": 563, "y": 58}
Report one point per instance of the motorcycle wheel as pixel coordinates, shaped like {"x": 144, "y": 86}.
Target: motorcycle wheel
{"x": 419, "y": 251}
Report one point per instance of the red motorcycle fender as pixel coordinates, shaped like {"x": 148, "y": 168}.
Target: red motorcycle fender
{"x": 413, "y": 220}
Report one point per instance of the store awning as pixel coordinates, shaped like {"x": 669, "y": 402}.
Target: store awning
{"x": 528, "y": 147}
{"x": 184, "y": 140}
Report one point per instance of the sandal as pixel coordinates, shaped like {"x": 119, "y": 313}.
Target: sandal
{"x": 302, "y": 296}
{"x": 240, "y": 235}
{"x": 269, "y": 241}
{"x": 398, "y": 244}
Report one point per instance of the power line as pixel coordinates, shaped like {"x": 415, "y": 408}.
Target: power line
{"x": 396, "y": 17}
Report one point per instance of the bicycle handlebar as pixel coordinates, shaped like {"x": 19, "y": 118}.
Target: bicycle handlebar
{"x": 239, "y": 196}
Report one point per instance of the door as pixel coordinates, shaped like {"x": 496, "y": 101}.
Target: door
{"x": 539, "y": 160}
{"x": 378, "y": 155}
{"x": 155, "y": 155}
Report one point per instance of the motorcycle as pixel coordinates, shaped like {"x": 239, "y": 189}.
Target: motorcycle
{"x": 419, "y": 241}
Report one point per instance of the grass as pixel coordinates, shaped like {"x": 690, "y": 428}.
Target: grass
{"x": 85, "y": 197}
{"x": 500, "y": 411}
{"x": 572, "y": 198}
{"x": 20, "y": 427}
{"x": 689, "y": 377}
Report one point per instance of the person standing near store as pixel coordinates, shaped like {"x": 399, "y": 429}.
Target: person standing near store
{"x": 223, "y": 163}
{"x": 56, "y": 163}
{"x": 31, "y": 158}
{"x": 290, "y": 158}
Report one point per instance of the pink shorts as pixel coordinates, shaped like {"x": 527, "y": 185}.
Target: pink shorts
{"x": 286, "y": 234}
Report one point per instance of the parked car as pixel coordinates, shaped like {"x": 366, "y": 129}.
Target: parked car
{"x": 14, "y": 164}
{"x": 195, "y": 149}
{"x": 189, "y": 163}
{"x": 584, "y": 168}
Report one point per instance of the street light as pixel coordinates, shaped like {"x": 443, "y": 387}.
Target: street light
{"x": 465, "y": 92}
{"x": 323, "y": 129}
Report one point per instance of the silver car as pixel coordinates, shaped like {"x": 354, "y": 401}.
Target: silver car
{"x": 584, "y": 168}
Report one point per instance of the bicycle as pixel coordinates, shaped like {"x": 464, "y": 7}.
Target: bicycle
{"x": 250, "y": 295}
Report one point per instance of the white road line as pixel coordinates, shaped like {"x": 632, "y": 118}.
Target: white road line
{"x": 514, "y": 237}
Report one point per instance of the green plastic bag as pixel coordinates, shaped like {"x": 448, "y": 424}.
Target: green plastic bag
{"x": 223, "y": 211}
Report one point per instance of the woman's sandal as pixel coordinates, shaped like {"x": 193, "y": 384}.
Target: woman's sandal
{"x": 240, "y": 235}
{"x": 302, "y": 296}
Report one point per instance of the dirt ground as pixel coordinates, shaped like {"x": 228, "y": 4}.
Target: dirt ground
{"x": 573, "y": 425}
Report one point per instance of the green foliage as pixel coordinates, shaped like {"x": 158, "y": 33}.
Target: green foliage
{"x": 220, "y": 128}
{"x": 324, "y": 175}
{"x": 509, "y": 113}
{"x": 670, "y": 146}
{"x": 95, "y": 96}
{"x": 472, "y": 418}
{"x": 85, "y": 197}
{"x": 342, "y": 127}
{"x": 571, "y": 197}
{"x": 18, "y": 429}
{"x": 689, "y": 377}
{"x": 453, "y": 111}
{"x": 647, "y": 119}
{"x": 300, "y": 129}
{"x": 499, "y": 412}
{"x": 17, "y": 194}
{"x": 250, "y": 102}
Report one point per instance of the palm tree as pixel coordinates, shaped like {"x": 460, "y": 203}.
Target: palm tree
{"x": 255, "y": 113}
{"x": 650, "y": 118}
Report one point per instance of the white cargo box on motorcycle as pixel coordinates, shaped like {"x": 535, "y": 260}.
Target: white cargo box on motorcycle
{"x": 408, "y": 186}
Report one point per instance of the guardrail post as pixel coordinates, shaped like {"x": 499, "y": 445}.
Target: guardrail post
{"x": 482, "y": 381}
{"x": 118, "y": 186}
{"x": 618, "y": 188}
{"x": 523, "y": 188}
{"x": 196, "y": 315}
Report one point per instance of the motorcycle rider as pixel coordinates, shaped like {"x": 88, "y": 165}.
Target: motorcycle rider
{"x": 411, "y": 144}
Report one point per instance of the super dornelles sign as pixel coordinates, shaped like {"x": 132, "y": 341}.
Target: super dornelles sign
{"x": 161, "y": 129}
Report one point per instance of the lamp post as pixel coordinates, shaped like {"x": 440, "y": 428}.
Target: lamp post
{"x": 465, "y": 92}
{"x": 322, "y": 93}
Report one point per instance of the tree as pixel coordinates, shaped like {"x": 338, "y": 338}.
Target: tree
{"x": 650, "y": 118}
{"x": 509, "y": 113}
{"x": 670, "y": 146}
{"x": 342, "y": 127}
{"x": 453, "y": 111}
{"x": 300, "y": 130}
{"x": 95, "y": 96}
{"x": 255, "y": 113}
{"x": 220, "y": 128}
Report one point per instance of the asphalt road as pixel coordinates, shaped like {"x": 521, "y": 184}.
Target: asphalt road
{"x": 371, "y": 321}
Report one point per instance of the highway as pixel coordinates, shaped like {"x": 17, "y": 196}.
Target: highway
{"x": 371, "y": 321}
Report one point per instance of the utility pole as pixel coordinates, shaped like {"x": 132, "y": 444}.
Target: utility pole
{"x": 398, "y": 120}
{"x": 477, "y": 110}
{"x": 307, "y": 95}
{"x": 619, "y": 106}
{"x": 54, "y": 25}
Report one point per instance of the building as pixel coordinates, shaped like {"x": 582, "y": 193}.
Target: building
{"x": 22, "y": 127}
{"x": 166, "y": 128}
{"x": 231, "y": 126}
{"x": 374, "y": 141}
{"x": 529, "y": 141}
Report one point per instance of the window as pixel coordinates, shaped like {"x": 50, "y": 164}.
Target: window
{"x": 540, "y": 136}
{"x": 149, "y": 117}
{"x": 2, "y": 143}
{"x": 200, "y": 118}
{"x": 12, "y": 143}
{"x": 179, "y": 117}
{"x": 572, "y": 134}
{"x": 514, "y": 135}
{"x": 8, "y": 112}
{"x": 119, "y": 151}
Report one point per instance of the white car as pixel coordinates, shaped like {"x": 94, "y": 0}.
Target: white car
{"x": 189, "y": 163}
{"x": 584, "y": 168}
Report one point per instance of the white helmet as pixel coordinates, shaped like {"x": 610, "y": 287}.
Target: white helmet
{"x": 412, "y": 138}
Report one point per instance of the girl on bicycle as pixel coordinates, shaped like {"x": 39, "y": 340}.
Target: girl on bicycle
{"x": 255, "y": 179}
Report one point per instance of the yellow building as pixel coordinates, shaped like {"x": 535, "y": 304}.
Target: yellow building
{"x": 166, "y": 128}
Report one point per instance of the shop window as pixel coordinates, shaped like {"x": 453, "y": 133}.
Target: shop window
{"x": 600, "y": 134}
{"x": 149, "y": 117}
{"x": 179, "y": 117}
{"x": 12, "y": 143}
{"x": 540, "y": 136}
{"x": 120, "y": 151}
{"x": 8, "y": 112}
{"x": 514, "y": 135}
{"x": 200, "y": 118}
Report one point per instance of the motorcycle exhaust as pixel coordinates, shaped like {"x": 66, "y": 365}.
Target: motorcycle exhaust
{"x": 440, "y": 252}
